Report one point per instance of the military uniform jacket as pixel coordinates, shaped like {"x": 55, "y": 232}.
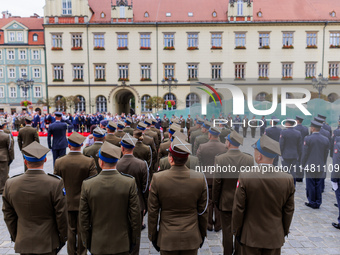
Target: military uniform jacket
{"x": 109, "y": 213}
{"x": 191, "y": 163}
{"x": 165, "y": 123}
{"x": 6, "y": 147}
{"x": 224, "y": 184}
{"x": 34, "y": 207}
{"x": 224, "y": 133}
{"x": 246, "y": 124}
{"x": 74, "y": 168}
{"x": 58, "y": 130}
{"x": 263, "y": 208}
{"x": 163, "y": 149}
{"x": 138, "y": 169}
{"x": 189, "y": 123}
{"x": 336, "y": 133}
{"x": 92, "y": 151}
{"x": 119, "y": 133}
{"x": 200, "y": 140}
{"x": 113, "y": 139}
{"x": 335, "y": 175}
{"x": 206, "y": 155}
{"x": 26, "y": 136}
{"x": 179, "y": 195}
{"x": 128, "y": 130}
{"x": 143, "y": 152}
{"x": 290, "y": 143}
{"x": 153, "y": 135}
{"x": 149, "y": 142}
{"x": 274, "y": 133}
{"x": 154, "y": 129}
{"x": 193, "y": 136}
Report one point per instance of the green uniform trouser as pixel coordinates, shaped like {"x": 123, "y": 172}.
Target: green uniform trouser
{"x": 50, "y": 253}
{"x": 4, "y": 170}
{"x": 187, "y": 252}
{"x": 246, "y": 250}
{"x": 74, "y": 242}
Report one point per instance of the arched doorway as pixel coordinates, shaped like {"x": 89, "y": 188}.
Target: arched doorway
{"x": 124, "y": 101}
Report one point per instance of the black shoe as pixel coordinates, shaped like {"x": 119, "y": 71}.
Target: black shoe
{"x": 309, "y": 205}
{"x": 336, "y": 225}
{"x": 218, "y": 229}
{"x": 298, "y": 179}
{"x": 336, "y": 205}
{"x": 210, "y": 229}
{"x": 143, "y": 226}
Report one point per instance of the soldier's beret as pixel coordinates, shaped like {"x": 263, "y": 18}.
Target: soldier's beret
{"x": 128, "y": 121}
{"x": 320, "y": 120}
{"x": 141, "y": 126}
{"x": 315, "y": 124}
{"x": 173, "y": 128}
{"x": 299, "y": 118}
{"x": 28, "y": 118}
{"x": 180, "y": 148}
{"x": 148, "y": 122}
{"x": 128, "y": 141}
{"x": 322, "y": 116}
{"x": 214, "y": 131}
{"x": 35, "y": 152}
{"x": 267, "y": 147}
{"x": 98, "y": 132}
{"x": 76, "y": 139}
{"x": 112, "y": 126}
{"x": 235, "y": 138}
{"x": 120, "y": 124}
{"x": 207, "y": 124}
{"x": 109, "y": 153}
{"x": 58, "y": 114}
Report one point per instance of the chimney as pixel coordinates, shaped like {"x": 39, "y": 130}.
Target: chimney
{"x": 6, "y": 15}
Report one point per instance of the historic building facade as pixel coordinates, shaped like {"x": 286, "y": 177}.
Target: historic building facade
{"x": 22, "y": 55}
{"x": 114, "y": 55}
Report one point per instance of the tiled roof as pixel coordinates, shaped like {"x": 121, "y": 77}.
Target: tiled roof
{"x": 98, "y": 7}
{"x": 31, "y": 23}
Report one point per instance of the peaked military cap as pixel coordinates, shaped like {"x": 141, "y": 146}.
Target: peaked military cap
{"x": 180, "y": 148}
{"x": 35, "y": 152}
{"x": 173, "y": 128}
{"x": 207, "y": 124}
{"x": 148, "y": 122}
{"x": 200, "y": 121}
{"x": 112, "y": 126}
{"x": 267, "y": 147}
{"x": 104, "y": 123}
{"x": 28, "y": 118}
{"x": 128, "y": 121}
{"x": 180, "y": 135}
{"x": 291, "y": 121}
{"x": 235, "y": 138}
{"x": 275, "y": 120}
{"x": 214, "y": 131}
{"x": 109, "y": 153}
{"x": 299, "y": 118}
{"x": 76, "y": 139}
{"x": 315, "y": 124}
{"x": 3, "y": 122}
{"x": 141, "y": 126}
{"x": 320, "y": 120}
{"x": 58, "y": 114}
{"x": 120, "y": 124}
{"x": 154, "y": 121}
{"x": 322, "y": 116}
{"x": 128, "y": 141}
{"x": 98, "y": 132}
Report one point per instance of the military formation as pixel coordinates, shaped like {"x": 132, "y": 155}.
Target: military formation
{"x": 183, "y": 177}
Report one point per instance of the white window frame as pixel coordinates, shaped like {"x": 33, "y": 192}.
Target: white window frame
{"x": 11, "y": 37}
{"x": 76, "y": 40}
{"x": 193, "y": 39}
{"x": 2, "y": 92}
{"x": 264, "y": 39}
{"x": 122, "y": 40}
{"x": 169, "y": 39}
{"x": 10, "y": 73}
{"x": 35, "y": 37}
{"x": 191, "y": 99}
{"x": 240, "y": 8}
{"x": 145, "y": 40}
{"x": 0, "y": 54}
{"x": 312, "y": 38}
{"x": 78, "y": 71}
{"x": 11, "y": 56}
{"x": 310, "y": 70}
{"x": 240, "y": 39}
{"x": 240, "y": 70}
{"x": 216, "y": 39}
{"x": 101, "y": 104}
{"x": 192, "y": 71}
{"x": 123, "y": 71}
{"x": 287, "y": 70}
{"x": 23, "y": 94}
{"x": 288, "y": 39}
{"x": 172, "y": 97}
{"x": 99, "y": 40}
{"x": 35, "y": 54}
{"x": 145, "y": 71}
{"x": 20, "y": 36}
{"x": 263, "y": 70}
{"x": 144, "y": 99}
{"x": 334, "y": 38}
{"x": 37, "y": 91}
{"x": 122, "y": 12}
{"x": 13, "y": 92}
{"x": 67, "y": 7}
{"x": 35, "y": 73}
{"x": 57, "y": 41}
{"x": 169, "y": 70}
{"x": 22, "y": 55}
{"x": 100, "y": 71}
{"x": 1, "y": 72}
{"x": 23, "y": 72}
{"x": 333, "y": 69}
{"x": 216, "y": 71}
{"x": 58, "y": 72}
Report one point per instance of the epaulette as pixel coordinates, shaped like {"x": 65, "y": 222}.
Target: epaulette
{"x": 88, "y": 178}
{"x": 16, "y": 175}
{"x": 127, "y": 175}
{"x": 55, "y": 176}
{"x": 247, "y": 154}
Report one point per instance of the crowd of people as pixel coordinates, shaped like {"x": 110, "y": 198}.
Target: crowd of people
{"x": 134, "y": 165}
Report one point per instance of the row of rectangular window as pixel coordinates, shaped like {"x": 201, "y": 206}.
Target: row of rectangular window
{"x": 193, "y": 42}
{"x": 22, "y": 54}
{"x": 23, "y": 72}
{"x": 13, "y": 92}
{"x": 169, "y": 71}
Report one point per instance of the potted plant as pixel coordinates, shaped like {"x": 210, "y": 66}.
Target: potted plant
{"x": 25, "y": 103}
{"x": 123, "y": 79}
{"x": 287, "y": 78}
{"x": 333, "y": 77}
{"x": 170, "y": 103}
{"x": 263, "y": 78}
{"x": 57, "y": 48}
{"x": 240, "y": 47}
{"x": 334, "y": 46}
{"x": 77, "y": 48}
{"x": 122, "y": 48}
{"x": 98, "y": 48}
{"x": 193, "y": 48}
{"x": 216, "y": 47}
{"x": 169, "y": 48}
{"x": 145, "y": 79}
{"x": 312, "y": 47}
{"x": 145, "y": 48}
{"x": 288, "y": 47}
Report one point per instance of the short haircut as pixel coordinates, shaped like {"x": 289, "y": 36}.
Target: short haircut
{"x": 179, "y": 161}
{"x": 110, "y": 165}
{"x": 100, "y": 139}
{"x": 35, "y": 164}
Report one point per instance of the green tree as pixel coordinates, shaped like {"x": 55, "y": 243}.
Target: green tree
{"x": 154, "y": 103}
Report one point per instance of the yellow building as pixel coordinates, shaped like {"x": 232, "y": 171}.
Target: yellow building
{"x": 113, "y": 57}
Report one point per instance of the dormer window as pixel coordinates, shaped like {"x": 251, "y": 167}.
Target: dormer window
{"x": 146, "y": 15}
{"x": 333, "y": 14}
{"x": 67, "y": 7}
{"x": 214, "y": 14}
{"x": 168, "y": 14}
{"x": 122, "y": 11}
{"x": 240, "y": 8}
{"x": 35, "y": 38}
{"x": 190, "y": 14}
{"x": 259, "y": 14}
{"x": 102, "y": 15}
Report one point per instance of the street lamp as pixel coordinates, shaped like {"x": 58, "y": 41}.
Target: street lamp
{"x": 169, "y": 80}
{"x": 320, "y": 83}
{"x": 25, "y": 84}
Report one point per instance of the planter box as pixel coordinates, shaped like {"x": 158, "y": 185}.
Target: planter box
{"x": 145, "y": 48}
{"x": 98, "y": 48}
{"x": 288, "y": 47}
{"x": 122, "y": 48}
{"x": 56, "y": 48}
{"x": 216, "y": 48}
{"x": 77, "y": 48}
{"x": 192, "y": 48}
{"x": 145, "y": 79}
{"x": 99, "y": 80}
{"x": 169, "y": 48}
{"x": 58, "y": 80}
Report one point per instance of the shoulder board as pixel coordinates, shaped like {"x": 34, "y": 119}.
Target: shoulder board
{"x": 91, "y": 177}
{"x": 127, "y": 175}
{"x": 248, "y": 154}
{"x": 55, "y": 176}
{"x": 16, "y": 175}
{"x": 216, "y": 154}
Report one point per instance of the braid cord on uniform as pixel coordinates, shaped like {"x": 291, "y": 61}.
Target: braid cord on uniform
{"x": 206, "y": 206}
{"x": 147, "y": 180}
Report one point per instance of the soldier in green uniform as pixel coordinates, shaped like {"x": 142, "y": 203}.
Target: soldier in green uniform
{"x": 224, "y": 186}
{"x": 128, "y": 128}
{"x": 74, "y": 168}
{"x": 154, "y": 129}
{"x": 110, "y": 136}
{"x": 165, "y": 123}
{"x": 27, "y": 135}
{"x": 120, "y": 133}
{"x": 196, "y": 131}
{"x": 189, "y": 123}
{"x": 6, "y": 153}
{"x": 202, "y": 138}
{"x": 141, "y": 150}
{"x": 264, "y": 203}
{"x": 225, "y": 131}
{"x": 34, "y": 206}
{"x": 151, "y": 133}
{"x": 92, "y": 151}
{"x": 109, "y": 213}
{"x": 165, "y": 146}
